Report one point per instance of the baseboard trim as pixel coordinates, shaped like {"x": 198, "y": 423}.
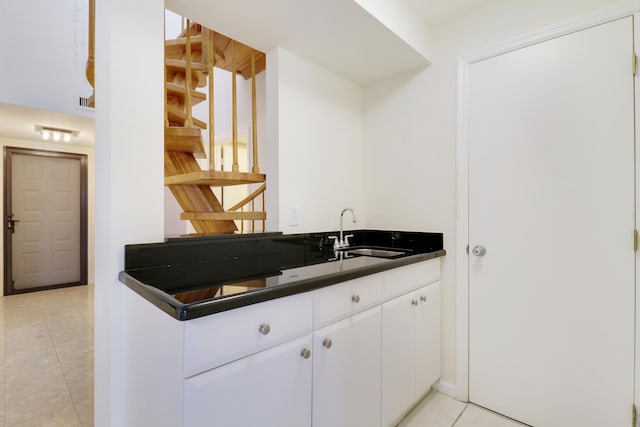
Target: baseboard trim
{"x": 445, "y": 387}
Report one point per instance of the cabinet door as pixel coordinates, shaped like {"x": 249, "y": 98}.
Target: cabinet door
{"x": 398, "y": 357}
{"x": 346, "y": 372}
{"x": 427, "y": 338}
{"x": 271, "y": 388}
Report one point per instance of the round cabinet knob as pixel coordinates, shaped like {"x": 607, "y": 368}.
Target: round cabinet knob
{"x": 355, "y": 298}
{"x": 264, "y": 328}
{"x": 479, "y": 250}
{"x": 327, "y": 343}
{"x": 305, "y": 353}
{"x": 423, "y": 298}
{"x": 414, "y": 302}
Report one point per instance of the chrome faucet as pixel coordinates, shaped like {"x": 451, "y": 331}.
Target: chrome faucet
{"x": 343, "y": 241}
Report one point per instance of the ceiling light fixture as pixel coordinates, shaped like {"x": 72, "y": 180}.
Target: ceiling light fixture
{"x": 56, "y": 134}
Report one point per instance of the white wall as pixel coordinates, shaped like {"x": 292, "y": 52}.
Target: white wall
{"x": 44, "y": 54}
{"x": 410, "y": 133}
{"x": 400, "y": 17}
{"x": 319, "y": 137}
{"x": 129, "y": 177}
{"x": 66, "y": 148}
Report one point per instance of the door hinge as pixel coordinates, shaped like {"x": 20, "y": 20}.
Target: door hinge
{"x": 634, "y": 415}
{"x": 634, "y": 64}
{"x": 635, "y": 240}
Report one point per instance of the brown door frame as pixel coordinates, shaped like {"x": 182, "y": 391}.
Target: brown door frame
{"x": 8, "y": 153}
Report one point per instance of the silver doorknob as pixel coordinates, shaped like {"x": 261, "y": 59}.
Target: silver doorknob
{"x": 305, "y": 353}
{"x": 327, "y": 343}
{"x": 479, "y": 250}
{"x": 355, "y": 298}
{"x": 264, "y": 328}
{"x": 11, "y": 223}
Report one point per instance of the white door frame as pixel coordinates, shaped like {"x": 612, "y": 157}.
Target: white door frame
{"x": 627, "y": 8}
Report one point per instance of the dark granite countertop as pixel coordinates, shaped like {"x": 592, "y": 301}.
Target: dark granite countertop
{"x": 196, "y": 276}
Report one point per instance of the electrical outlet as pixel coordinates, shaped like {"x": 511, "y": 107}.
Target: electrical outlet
{"x": 294, "y": 217}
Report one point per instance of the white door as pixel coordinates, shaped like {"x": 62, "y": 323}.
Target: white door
{"x": 346, "y": 372}
{"x": 551, "y": 199}
{"x": 45, "y": 228}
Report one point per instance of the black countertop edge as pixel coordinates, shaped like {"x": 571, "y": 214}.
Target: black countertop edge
{"x": 182, "y": 312}
{"x": 218, "y": 237}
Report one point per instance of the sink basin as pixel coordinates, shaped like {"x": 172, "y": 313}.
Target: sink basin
{"x": 376, "y": 252}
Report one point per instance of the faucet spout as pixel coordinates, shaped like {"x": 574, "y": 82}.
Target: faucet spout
{"x": 341, "y": 242}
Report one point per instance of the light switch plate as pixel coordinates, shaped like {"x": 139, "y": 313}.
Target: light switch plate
{"x": 294, "y": 217}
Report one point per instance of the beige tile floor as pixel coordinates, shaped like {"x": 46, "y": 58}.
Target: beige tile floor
{"x": 438, "y": 410}
{"x": 46, "y": 367}
{"x": 46, "y": 358}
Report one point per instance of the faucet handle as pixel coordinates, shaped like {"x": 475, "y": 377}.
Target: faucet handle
{"x": 335, "y": 241}
{"x": 346, "y": 239}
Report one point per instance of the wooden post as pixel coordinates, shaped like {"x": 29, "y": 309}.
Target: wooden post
{"x": 254, "y": 120}
{"x": 91, "y": 59}
{"x": 212, "y": 134}
{"x": 264, "y": 222}
{"x": 166, "y": 111}
{"x": 253, "y": 209}
{"x": 188, "y": 79}
{"x": 234, "y": 166}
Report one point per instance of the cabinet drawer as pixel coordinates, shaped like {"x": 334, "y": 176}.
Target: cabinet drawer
{"x": 220, "y": 338}
{"x": 339, "y": 301}
{"x": 404, "y": 279}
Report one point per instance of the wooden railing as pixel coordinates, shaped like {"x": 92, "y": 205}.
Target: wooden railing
{"x": 251, "y": 198}
{"x": 218, "y": 50}
{"x": 91, "y": 61}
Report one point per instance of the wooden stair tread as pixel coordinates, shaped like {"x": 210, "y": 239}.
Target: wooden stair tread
{"x": 176, "y": 48}
{"x": 195, "y": 198}
{"x": 176, "y": 89}
{"x": 182, "y": 64}
{"x": 177, "y": 114}
{"x": 215, "y": 178}
{"x": 223, "y": 44}
{"x": 185, "y": 140}
{"x": 217, "y": 216}
{"x": 196, "y": 41}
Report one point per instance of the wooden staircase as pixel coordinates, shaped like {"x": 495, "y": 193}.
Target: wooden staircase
{"x": 190, "y": 60}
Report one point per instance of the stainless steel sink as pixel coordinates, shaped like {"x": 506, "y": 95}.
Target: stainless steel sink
{"x": 375, "y": 252}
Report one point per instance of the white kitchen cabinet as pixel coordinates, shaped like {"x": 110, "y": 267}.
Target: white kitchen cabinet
{"x": 370, "y": 357}
{"x": 427, "y": 338}
{"x": 410, "y": 350}
{"x": 346, "y": 372}
{"x": 271, "y": 388}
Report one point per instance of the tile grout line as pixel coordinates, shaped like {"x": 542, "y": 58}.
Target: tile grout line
{"x": 64, "y": 375}
{"x": 466, "y": 405}
{"x": 42, "y": 317}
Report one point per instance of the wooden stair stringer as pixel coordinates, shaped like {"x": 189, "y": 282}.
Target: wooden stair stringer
{"x": 195, "y": 198}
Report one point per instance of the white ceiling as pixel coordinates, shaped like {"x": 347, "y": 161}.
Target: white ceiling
{"x": 18, "y": 122}
{"x": 336, "y": 34}
{"x": 436, "y": 12}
